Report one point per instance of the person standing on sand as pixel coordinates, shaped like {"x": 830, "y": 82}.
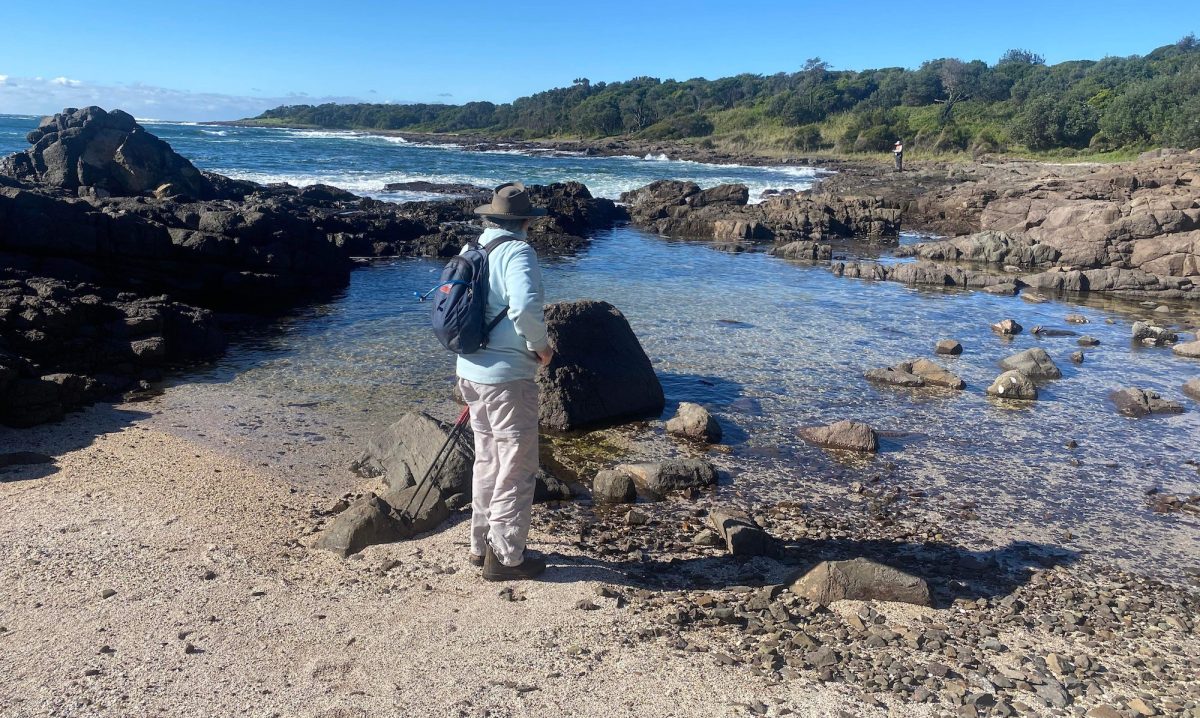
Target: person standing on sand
{"x": 498, "y": 384}
{"x": 898, "y": 151}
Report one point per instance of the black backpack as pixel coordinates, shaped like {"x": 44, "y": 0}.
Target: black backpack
{"x": 461, "y": 300}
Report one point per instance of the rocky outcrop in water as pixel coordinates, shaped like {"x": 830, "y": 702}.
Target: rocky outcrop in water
{"x": 106, "y": 154}
{"x": 600, "y": 374}
{"x": 796, "y": 223}
{"x": 107, "y": 214}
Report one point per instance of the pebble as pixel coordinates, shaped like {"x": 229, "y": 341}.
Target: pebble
{"x": 586, "y": 605}
{"x": 108, "y": 593}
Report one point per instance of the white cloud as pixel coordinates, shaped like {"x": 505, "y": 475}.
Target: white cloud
{"x": 38, "y": 96}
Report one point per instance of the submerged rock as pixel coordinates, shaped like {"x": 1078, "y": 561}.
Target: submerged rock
{"x": 861, "y": 579}
{"x": 894, "y": 376}
{"x": 951, "y": 347}
{"x": 1013, "y": 385}
{"x": 600, "y": 374}
{"x": 694, "y": 422}
{"x": 1192, "y": 388}
{"x": 1143, "y": 402}
{"x": 845, "y": 434}
{"x": 1190, "y": 350}
{"x": 1034, "y": 363}
{"x": 1153, "y": 335}
{"x": 915, "y": 373}
{"x": 1007, "y": 327}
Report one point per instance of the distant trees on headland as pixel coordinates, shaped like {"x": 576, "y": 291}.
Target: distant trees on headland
{"x": 944, "y": 105}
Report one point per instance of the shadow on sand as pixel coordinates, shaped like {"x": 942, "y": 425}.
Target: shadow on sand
{"x": 32, "y": 452}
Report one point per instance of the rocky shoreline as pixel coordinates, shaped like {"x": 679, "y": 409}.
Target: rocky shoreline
{"x": 868, "y": 601}
{"x": 119, "y": 258}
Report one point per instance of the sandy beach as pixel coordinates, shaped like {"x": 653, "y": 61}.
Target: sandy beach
{"x": 149, "y": 575}
{"x": 219, "y": 609}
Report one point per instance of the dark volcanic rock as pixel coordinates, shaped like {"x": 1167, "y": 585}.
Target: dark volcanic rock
{"x": 107, "y": 151}
{"x": 600, "y": 374}
{"x": 614, "y": 487}
{"x": 1143, "y": 402}
{"x": 436, "y": 188}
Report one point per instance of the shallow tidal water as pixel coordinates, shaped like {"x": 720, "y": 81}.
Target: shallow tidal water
{"x": 766, "y": 344}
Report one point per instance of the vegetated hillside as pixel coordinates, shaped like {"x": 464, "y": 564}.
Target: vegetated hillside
{"x": 1117, "y": 103}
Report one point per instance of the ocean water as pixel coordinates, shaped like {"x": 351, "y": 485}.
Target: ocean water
{"x": 768, "y": 345}
{"x": 365, "y": 163}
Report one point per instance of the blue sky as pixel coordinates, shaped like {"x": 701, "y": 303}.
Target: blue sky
{"x": 219, "y": 59}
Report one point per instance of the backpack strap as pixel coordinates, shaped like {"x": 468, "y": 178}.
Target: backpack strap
{"x": 487, "y": 251}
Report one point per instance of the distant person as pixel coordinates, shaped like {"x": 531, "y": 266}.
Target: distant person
{"x": 497, "y": 382}
{"x": 898, "y": 153}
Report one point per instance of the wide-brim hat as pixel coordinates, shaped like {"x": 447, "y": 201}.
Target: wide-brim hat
{"x": 511, "y": 201}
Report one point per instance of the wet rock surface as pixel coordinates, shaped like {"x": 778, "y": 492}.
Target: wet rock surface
{"x": 796, "y": 224}
{"x": 846, "y": 435}
{"x": 1013, "y": 384}
{"x": 1143, "y": 402}
{"x": 1034, "y": 363}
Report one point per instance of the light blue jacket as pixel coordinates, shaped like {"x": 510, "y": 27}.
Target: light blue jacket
{"x": 515, "y": 281}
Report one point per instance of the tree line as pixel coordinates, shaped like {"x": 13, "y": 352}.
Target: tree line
{"x": 946, "y": 104}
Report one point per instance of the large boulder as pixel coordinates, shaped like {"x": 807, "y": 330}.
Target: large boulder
{"x": 1143, "y": 402}
{"x": 846, "y": 435}
{"x": 405, "y": 450}
{"x": 1034, "y": 363}
{"x": 107, "y": 151}
{"x": 600, "y": 374}
{"x": 1191, "y": 387}
{"x": 861, "y": 580}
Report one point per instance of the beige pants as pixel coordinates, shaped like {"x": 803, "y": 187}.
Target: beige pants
{"x": 504, "y": 418}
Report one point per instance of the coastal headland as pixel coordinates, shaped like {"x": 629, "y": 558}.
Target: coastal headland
{"x": 150, "y": 569}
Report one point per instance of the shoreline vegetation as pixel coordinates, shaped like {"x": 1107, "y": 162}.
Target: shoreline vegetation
{"x": 1103, "y": 110}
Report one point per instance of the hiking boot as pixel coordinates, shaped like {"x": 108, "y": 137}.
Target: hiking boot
{"x": 476, "y": 561}
{"x": 531, "y": 567}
